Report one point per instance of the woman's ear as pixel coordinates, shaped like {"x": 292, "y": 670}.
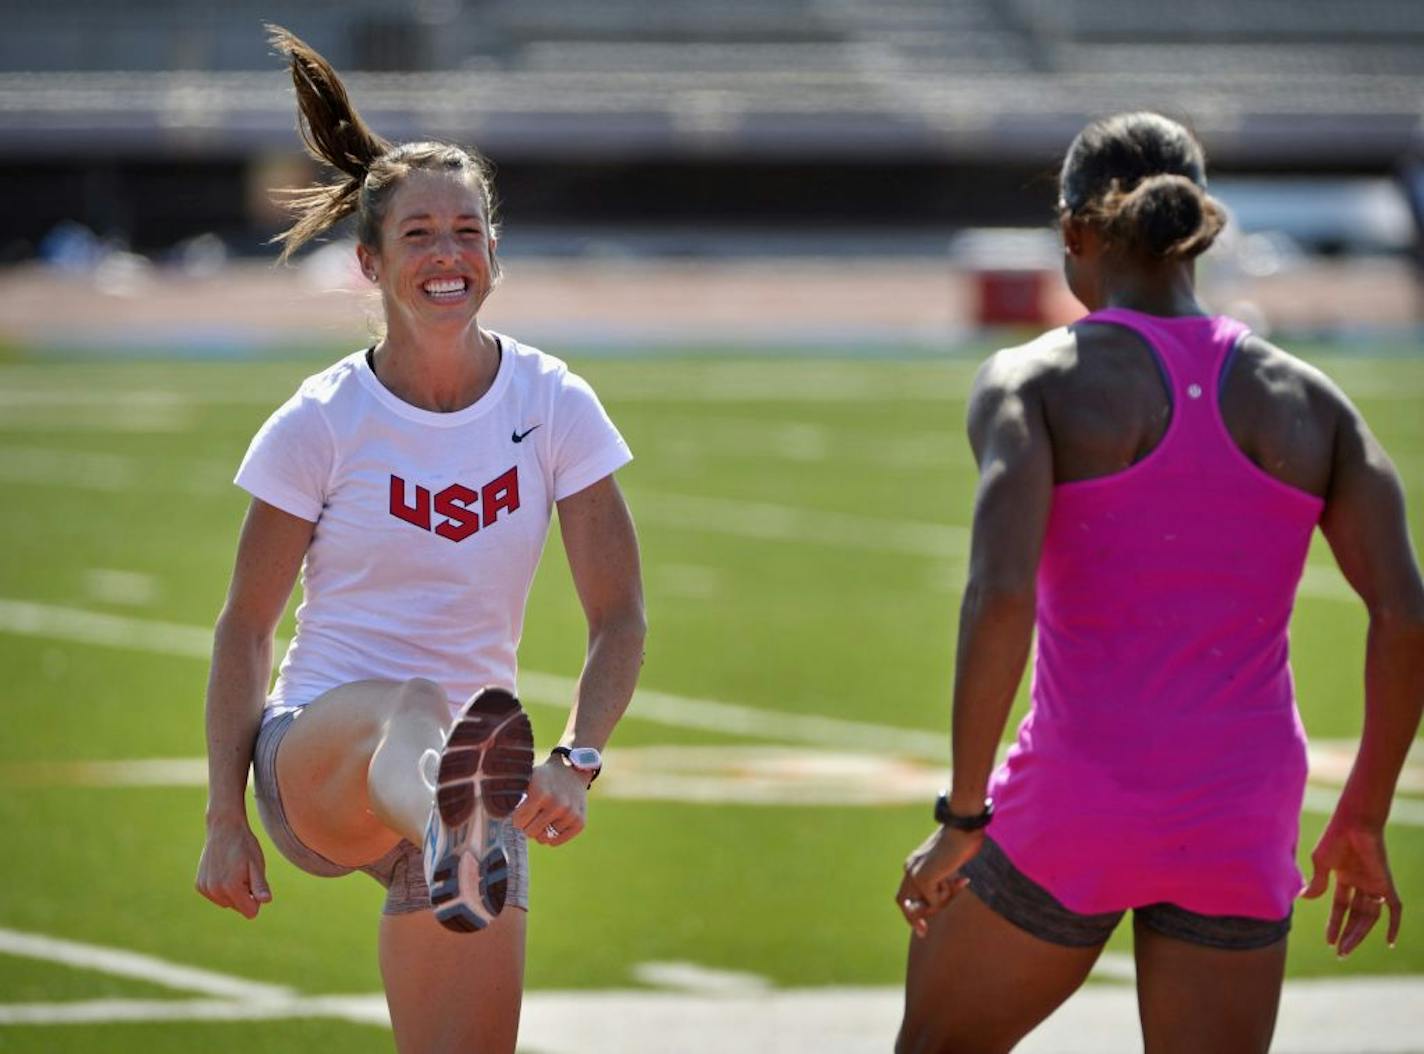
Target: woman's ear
{"x": 367, "y": 260}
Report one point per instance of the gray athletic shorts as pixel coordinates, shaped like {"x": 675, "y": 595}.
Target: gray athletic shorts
{"x": 1012, "y": 894}
{"x": 400, "y": 870}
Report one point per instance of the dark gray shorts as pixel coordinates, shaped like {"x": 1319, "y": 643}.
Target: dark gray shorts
{"x": 400, "y": 870}
{"x": 1012, "y": 894}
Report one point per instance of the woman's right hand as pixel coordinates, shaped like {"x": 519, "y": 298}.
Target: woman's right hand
{"x": 932, "y": 877}
{"x": 1363, "y": 884}
{"x": 232, "y": 872}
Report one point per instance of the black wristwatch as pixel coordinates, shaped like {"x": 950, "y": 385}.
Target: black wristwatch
{"x": 943, "y": 815}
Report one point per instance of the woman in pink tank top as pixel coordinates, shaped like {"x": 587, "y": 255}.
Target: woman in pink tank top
{"x": 1150, "y": 480}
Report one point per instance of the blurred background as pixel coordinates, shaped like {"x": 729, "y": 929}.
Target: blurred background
{"x": 777, "y": 236}
{"x": 890, "y": 163}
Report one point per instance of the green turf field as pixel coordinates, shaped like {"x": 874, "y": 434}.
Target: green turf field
{"x": 798, "y": 524}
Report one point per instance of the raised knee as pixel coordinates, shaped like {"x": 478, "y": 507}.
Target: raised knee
{"x": 424, "y": 695}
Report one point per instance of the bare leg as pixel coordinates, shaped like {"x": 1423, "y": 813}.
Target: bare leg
{"x": 449, "y": 992}
{"x": 350, "y": 771}
{"x": 977, "y": 984}
{"x": 1193, "y": 999}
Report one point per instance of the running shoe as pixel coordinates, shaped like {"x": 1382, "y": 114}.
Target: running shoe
{"x": 483, "y": 775}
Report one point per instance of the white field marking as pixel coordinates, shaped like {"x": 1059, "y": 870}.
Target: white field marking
{"x": 193, "y": 642}
{"x": 143, "y": 772}
{"x": 1115, "y": 966}
{"x": 699, "y": 980}
{"x": 1374, "y": 378}
{"x": 111, "y": 473}
{"x": 1360, "y": 1015}
{"x": 799, "y": 525}
{"x": 765, "y": 521}
{"x": 1405, "y": 812}
{"x": 804, "y": 441}
{"x": 114, "y": 631}
{"x": 794, "y": 383}
{"x": 737, "y": 719}
{"x": 121, "y": 963}
{"x": 755, "y": 775}
{"x": 1331, "y": 759}
{"x": 110, "y": 586}
{"x": 47, "y": 398}
{"x": 693, "y": 581}
{"x": 115, "y": 415}
{"x": 796, "y": 442}
{"x": 1325, "y": 582}
{"x": 363, "y": 1010}
{"x": 701, "y": 775}
{"x": 166, "y": 638}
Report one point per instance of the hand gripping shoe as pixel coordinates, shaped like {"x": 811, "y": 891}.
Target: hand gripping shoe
{"x": 483, "y": 775}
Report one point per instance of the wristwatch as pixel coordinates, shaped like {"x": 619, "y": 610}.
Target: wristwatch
{"x": 586, "y": 761}
{"x": 943, "y": 815}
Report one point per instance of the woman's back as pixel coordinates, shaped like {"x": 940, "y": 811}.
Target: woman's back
{"x": 1149, "y": 482}
{"x": 1163, "y": 704}
{"x": 1107, "y": 405}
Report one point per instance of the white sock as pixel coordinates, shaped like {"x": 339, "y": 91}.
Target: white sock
{"x": 429, "y": 767}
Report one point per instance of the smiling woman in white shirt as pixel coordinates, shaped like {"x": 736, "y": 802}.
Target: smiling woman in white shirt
{"x": 412, "y": 486}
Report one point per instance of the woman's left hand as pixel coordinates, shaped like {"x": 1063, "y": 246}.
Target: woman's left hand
{"x": 557, "y": 803}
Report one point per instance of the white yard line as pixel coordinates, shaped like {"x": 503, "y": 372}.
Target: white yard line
{"x": 791, "y": 523}
{"x": 51, "y": 621}
{"x": 110, "y": 585}
{"x": 40, "y": 466}
{"x": 666, "y": 708}
{"x": 758, "y": 520}
{"x": 106, "y": 473}
{"x": 730, "y": 775}
{"x": 366, "y": 1010}
{"x": 121, "y": 963}
{"x": 194, "y": 642}
{"x": 1365, "y": 1015}
{"x": 737, "y": 719}
{"x": 1115, "y": 966}
{"x": 698, "y": 979}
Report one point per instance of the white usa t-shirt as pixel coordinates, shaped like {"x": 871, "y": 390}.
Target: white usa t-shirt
{"x": 429, "y": 526}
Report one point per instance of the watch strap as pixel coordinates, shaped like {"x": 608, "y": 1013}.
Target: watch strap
{"x": 943, "y": 815}
{"x": 567, "y": 754}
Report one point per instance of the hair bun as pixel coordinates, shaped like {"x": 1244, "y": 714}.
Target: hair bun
{"x": 1168, "y": 215}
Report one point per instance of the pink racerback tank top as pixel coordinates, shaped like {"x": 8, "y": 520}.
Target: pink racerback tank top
{"x": 1163, "y": 759}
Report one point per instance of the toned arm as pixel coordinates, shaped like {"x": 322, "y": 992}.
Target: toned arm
{"x": 1365, "y": 524}
{"x": 269, "y": 555}
{"x": 1015, "y": 456}
{"x": 602, "y": 549}
{"x": 1010, "y": 439}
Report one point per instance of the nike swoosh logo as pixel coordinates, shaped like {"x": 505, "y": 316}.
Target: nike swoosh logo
{"x": 518, "y": 436}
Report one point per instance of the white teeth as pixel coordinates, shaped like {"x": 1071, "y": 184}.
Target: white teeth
{"x": 444, "y": 285}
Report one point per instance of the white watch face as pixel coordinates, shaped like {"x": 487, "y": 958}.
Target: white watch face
{"x": 585, "y": 759}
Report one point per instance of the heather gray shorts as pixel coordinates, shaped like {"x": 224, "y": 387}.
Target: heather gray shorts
{"x": 1018, "y": 898}
{"x": 400, "y": 870}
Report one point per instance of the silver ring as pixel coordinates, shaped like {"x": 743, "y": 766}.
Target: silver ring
{"x": 550, "y": 831}
{"x": 1375, "y": 898}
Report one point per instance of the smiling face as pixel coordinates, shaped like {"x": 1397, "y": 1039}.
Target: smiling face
{"x": 435, "y": 262}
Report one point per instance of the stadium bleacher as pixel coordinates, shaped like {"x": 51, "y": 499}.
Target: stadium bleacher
{"x": 929, "y": 70}
{"x": 992, "y": 88}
